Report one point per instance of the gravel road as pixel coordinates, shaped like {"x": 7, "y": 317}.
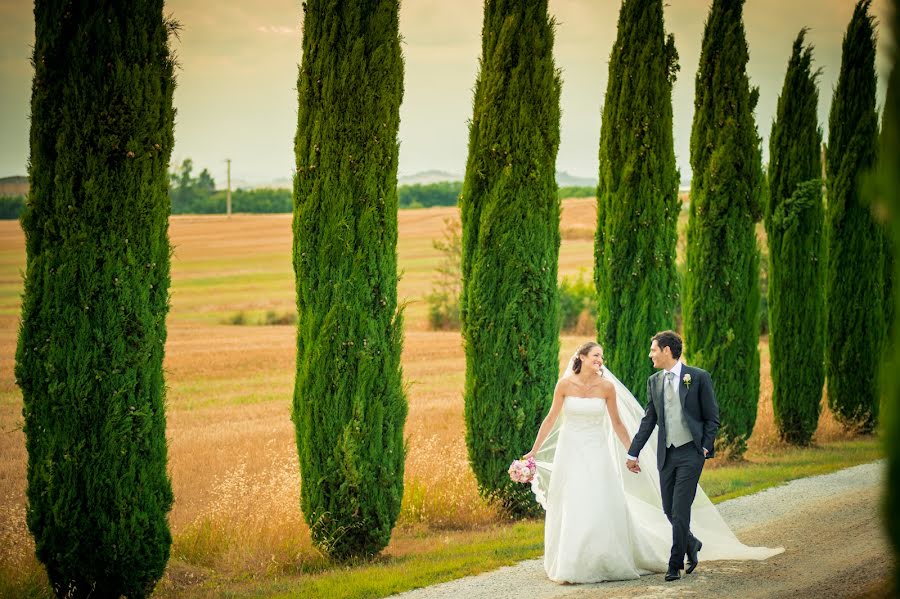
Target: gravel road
{"x": 829, "y": 526}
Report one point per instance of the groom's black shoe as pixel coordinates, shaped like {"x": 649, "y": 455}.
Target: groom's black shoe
{"x": 672, "y": 574}
{"x": 692, "y": 559}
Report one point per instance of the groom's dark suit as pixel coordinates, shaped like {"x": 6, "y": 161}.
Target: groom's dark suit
{"x": 680, "y": 467}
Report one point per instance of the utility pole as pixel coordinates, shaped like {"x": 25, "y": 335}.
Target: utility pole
{"x": 228, "y": 193}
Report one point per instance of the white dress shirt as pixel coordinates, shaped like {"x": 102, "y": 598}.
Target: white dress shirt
{"x": 676, "y": 370}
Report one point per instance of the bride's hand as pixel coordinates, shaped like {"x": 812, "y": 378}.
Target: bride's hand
{"x": 530, "y": 454}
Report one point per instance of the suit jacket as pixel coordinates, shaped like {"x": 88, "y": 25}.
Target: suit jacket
{"x": 698, "y": 403}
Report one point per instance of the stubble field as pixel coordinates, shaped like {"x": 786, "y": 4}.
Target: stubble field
{"x": 232, "y": 457}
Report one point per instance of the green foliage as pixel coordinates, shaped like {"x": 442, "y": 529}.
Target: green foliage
{"x": 197, "y": 195}
{"x": 721, "y": 307}
{"x": 576, "y": 191}
{"x": 11, "y": 207}
{"x": 269, "y": 317}
{"x": 794, "y": 225}
{"x": 577, "y": 303}
{"x": 444, "y": 193}
{"x": 443, "y": 302}
{"x": 577, "y": 296}
{"x": 257, "y": 201}
{"x": 889, "y": 185}
{"x": 510, "y": 246}
{"x": 90, "y": 353}
{"x": 763, "y": 293}
{"x": 191, "y": 195}
{"x": 854, "y": 272}
{"x": 637, "y": 205}
{"x": 349, "y": 407}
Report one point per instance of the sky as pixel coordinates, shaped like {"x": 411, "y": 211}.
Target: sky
{"x": 236, "y": 95}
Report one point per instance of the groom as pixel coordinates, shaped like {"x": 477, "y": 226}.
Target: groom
{"x": 682, "y": 402}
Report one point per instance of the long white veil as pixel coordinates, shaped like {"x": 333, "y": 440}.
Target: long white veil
{"x": 642, "y": 491}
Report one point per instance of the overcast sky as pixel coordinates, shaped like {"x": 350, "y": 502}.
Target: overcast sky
{"x": 236, "y": 95}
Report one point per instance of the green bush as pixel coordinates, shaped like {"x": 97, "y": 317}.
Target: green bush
{"x": 763, "y": 293}
{"x": 444, "y": 193}
{"x": 577, "y": 298}
{"x": 11, "y": 207}
{"x": 576, "y": 191}
{"x": 443, "y": 302}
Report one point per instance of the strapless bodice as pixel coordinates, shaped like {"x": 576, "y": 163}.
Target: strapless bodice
{"x": 584, "y": 411}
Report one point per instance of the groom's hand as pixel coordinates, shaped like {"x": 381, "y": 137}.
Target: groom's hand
{"x": 633, "y": 466}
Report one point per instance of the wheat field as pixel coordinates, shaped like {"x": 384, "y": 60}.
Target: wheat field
{"x": 232, "y": 457}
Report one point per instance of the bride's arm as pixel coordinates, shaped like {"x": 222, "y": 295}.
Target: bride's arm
{"x": 549, "y": 420}
{"x": 612, "y": 408}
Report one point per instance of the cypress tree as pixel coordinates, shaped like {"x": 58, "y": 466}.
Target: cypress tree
{"x": 888, "y": 250}
{"x": 90, "y": 351}
{"x": 637, "y": 195}
{"x": 854, "y": 272}
{"x": 510, "y": 217}
{"x": 349, "y": 406}
{"x": 721, "y": 320}
{"x": 794, "y": 225}
{"x": 889, "y": 184}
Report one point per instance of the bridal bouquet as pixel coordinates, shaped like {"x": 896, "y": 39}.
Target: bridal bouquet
{"x": 522, "y": 471}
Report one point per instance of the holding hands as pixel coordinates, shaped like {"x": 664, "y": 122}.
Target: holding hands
{"x": 633, "y": 466}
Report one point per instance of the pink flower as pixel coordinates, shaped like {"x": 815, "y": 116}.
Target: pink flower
{"x": 522, "y": 471}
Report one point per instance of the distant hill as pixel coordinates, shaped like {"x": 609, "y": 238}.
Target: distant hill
{"x": 563, "y": 179}
{"x": 13, "y": 186}
{"x": 427, "y": 177}
{"x": 280, "y": 183}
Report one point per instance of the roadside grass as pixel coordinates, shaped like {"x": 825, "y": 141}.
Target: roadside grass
{"x": 761, "y": 471}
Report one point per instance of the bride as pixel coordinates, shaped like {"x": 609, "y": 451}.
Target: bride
{"x": 601, "y": 525}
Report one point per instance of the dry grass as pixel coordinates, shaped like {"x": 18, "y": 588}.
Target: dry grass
{"x": 232, "y": 455}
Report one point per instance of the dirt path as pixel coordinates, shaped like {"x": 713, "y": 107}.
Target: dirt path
{"x": 829, "y": 526}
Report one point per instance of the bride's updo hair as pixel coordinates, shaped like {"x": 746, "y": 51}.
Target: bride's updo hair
{"x": 582, "y": 351}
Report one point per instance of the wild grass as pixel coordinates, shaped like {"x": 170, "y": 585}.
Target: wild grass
{"x": 236, "y": 520}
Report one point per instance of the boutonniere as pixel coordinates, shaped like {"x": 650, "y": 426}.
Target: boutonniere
{"x": 686, "y": 379}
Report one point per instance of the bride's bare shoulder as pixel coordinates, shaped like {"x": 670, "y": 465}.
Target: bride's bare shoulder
{"x": 606, "y": 385}
{"x": 564, "y": 383}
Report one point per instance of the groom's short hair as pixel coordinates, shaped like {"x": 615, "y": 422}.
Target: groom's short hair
{"x": 669, "y": 339}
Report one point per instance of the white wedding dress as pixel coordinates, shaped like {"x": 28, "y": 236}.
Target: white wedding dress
{"x": 603, "y": 522}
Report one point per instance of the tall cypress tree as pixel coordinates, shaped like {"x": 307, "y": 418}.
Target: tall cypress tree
{"x": 854, "y": 273}
{"x": 888, "y": 250}
{"x": 794, "y": 224}
{"x": 637, "y": 196}
{"x": 349, "y": 407}
{"x": 91, "y": 343}
{"x": 510, "y": 218}
{"x": 721, "y": 320}
{"x": 889, "y": 185}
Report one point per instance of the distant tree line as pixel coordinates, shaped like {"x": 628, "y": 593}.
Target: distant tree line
{"x": 198, "y": 195}
{"x": 11, "y": 207}
{"x": 445, "y": 193}
{"x": 576, "y": 191}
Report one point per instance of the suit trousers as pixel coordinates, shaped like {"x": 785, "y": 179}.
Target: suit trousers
{"x": 678, "y": 481}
